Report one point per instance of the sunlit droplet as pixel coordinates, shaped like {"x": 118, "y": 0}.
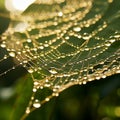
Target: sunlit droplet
{"x": 77, "y": 29}
{"x": 36, "y": 83}
{"x": 97, "y": 77}
{"x": 5, "y": 57}
{"x": 117, "y": 71}
{"x": 55, "y": 94}
{"x": 84, "y": 82}
{"x": 41, "y": 47}
{"x": 3, "y": 45}
{"x": 30, "y": 70}
{"x": 112, "y": 40}
{"x": 46, "y": 45}
{"x": 67, "y": 37}
{"x": 27, "y": 111}
{"x": 29, "y": 40}
{"x": 47, "y": 99}
{"x": 17, "y": 5}
{"x": 21, "y": 27}
{"x": 34, "y": 89}
{"x": 36, "y": 104}
{"x": 86, "y": 37}
{"x": 12, "y": 54}
{"x": 53, "y": 70}
{"x": 107, "y": 44}
{"x": 25, "y": 61}
{"x": 60, "y": 14}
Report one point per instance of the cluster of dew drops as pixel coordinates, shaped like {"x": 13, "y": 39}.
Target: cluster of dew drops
{"x": 60, "y": 73}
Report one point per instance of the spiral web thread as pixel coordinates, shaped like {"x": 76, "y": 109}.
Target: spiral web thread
{"x": 62, "y": 43}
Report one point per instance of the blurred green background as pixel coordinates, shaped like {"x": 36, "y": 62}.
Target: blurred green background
{"x": 97, "y": 100}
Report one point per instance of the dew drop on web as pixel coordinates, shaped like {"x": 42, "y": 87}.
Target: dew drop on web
{"x": 77, "y": 29}
{"x": 53, "y": 70}
{"x": 36, "y": 104}
{"x": 30, "y": 70}
{"x": 3, "y": 45}
{"x": 12, "y": 54}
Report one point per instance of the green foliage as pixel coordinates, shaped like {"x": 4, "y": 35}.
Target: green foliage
{"x": 24, "y": 92}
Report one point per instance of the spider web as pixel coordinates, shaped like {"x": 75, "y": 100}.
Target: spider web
{"x": 62, "y": 43}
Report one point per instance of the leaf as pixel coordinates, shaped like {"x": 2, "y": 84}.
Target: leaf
{"x": 64, "y": 43}
{"x": 24, "y": 92}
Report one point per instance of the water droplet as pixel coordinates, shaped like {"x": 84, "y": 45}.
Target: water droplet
{"x": 30, "y": 70}
{"x": 32, "y": 98}
{"x": 97, "y": 77}
{"x": 41, "y": 87}
{"x": 77, "y": 29}
{"x": 86, "y": 37}
{"x": 55, "y": 94}
{"x": 47, "y": 85}
{"x": 55, "y": 23}
{"x": 36, "y": 83}
{"x": 36, "y": 104}
{"x": 27, "y": 110}
{"x": 46, "y": 45}
{"x": 29, "y": 40}
{"x": 17, "y": 42}
{"x": 46, "y": 80}
{"x": 118, "y": 71}
{"x": 53, "y": 70}
{"x": 104, "y": 76}
{"x": 112, "y": 40}
{"x": 87, "y": 49}
{"x": 5, "y": 57}
{"x": 34, "y": 89}
{"x": 19, "y": 53}
{"x": 21, "y": 27}
{"x": 79, "y": 36}
{"x": 117, "y": 36}
{"x": 84, "y": 82}
{"x": 12, "y": 54}
{"x": 47, "y": 99}
{"x": 107, "y": 44}
{"x": 35, "y": 49}
{"x": 41, "y": 47}
{"x": 25, "y": 61}
{"x": 3, "y": 45}
{"x": 67, "y": 37}
{"x": 60, "y": 14}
